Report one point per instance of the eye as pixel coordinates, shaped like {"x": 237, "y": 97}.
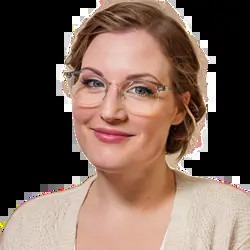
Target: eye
{"x": 143, "y": 90}
{"x": 92, "y": 83}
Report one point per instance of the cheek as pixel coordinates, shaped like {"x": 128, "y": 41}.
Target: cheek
{"x": 158, "y": 130}
{"x": 80, "y": 115}
{"x": 154, "y": 129}
{"x": 82, "y": 125}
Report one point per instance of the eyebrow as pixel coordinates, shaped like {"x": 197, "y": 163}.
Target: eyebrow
{"x": 128, "y": 77}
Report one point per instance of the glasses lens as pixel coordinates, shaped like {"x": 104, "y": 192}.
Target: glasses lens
{"x": 88, "y": 91}
{"x": 139, "y": 96}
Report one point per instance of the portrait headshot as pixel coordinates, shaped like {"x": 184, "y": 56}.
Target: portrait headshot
{"x": 136, "y": 79}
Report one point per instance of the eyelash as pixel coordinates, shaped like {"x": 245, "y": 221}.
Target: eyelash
{"x": 87, "y": 81}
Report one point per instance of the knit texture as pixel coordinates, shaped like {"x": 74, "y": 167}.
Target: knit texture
{"x": 206, "y": 214}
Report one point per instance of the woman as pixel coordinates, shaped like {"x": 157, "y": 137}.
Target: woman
{"x": 135, "y": 98}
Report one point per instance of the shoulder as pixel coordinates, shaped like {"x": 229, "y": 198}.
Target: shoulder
{"x": 213, "y": 190}
{"x": 41, "y": 212}
{"x": 218, "y": 199}
{"x": 217, "y": 209}
{"x": 224, "y": 193}
{"x": 50, "y": 201}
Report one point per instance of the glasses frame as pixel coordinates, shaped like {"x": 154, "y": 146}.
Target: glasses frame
{"x": 157, "y": 84}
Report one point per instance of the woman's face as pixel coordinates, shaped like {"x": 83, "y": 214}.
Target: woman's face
{"x": 116, "y": 56}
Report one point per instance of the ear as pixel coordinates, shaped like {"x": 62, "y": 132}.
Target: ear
{"x": 181, "y": 112}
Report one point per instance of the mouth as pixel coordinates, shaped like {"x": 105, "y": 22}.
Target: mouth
{"x": 109, "y": 138}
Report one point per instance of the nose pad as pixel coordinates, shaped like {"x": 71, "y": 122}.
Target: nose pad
{"x": 111, "y": 109}
{"x": 118, "y": 88}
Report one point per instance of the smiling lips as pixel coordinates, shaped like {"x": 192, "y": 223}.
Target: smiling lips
{"x": 111, "y": 132}
{"x": 111, "y": 138}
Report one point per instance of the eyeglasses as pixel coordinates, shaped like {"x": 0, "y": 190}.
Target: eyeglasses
{"x": 138, "y": 96}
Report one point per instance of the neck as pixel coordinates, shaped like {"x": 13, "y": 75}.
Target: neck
{"x": 138, "y": 192}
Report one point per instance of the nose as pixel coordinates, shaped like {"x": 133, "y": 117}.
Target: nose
{"x": 112, "y": 107}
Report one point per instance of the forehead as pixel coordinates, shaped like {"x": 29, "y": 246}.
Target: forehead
{"x": 121, "y": 53}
